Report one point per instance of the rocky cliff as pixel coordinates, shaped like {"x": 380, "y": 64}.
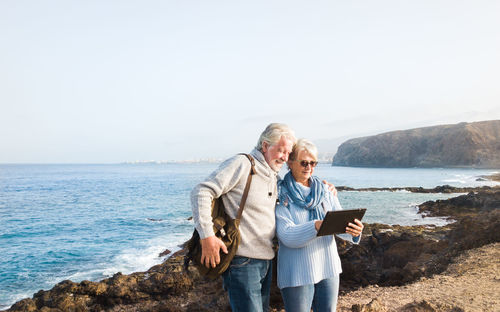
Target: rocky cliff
{"x": 475, "y": 144}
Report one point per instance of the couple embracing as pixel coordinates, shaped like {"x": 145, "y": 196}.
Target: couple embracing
{"x": 308, "y": 266}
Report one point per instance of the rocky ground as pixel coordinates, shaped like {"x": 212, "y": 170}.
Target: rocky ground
{"x": 394, "y": 268}
{"x": 470, "y": 283}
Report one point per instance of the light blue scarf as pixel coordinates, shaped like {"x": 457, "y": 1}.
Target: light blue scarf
{"x": 291, "y": 191}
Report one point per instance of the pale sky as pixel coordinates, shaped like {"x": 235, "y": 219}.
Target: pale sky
{"x": 113, "y": 81}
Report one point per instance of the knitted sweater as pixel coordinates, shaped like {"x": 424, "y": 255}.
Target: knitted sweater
{"x": 257, "y": 227}
{"x": 304, "y": 258}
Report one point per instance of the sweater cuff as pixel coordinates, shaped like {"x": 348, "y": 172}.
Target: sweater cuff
{"x": 204, "y": 234}
{"x": 356, "y": 239}
{"x": 312, "y": 232}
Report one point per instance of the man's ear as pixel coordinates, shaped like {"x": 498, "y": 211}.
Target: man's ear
{"x": 265, "y": 146}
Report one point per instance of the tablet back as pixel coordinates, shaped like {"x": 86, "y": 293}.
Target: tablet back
{"x": 335, "y": 222}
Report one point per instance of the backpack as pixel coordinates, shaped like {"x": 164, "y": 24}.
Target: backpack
{"x": 225, "y": 228}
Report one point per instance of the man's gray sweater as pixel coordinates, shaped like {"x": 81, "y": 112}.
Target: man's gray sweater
{"x": 257, "y": 225}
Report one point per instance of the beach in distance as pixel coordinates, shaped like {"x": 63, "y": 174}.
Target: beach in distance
{"x": 89, "y": 222}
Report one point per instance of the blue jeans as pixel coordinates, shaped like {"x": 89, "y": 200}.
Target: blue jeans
{"x": 248, "y": 283}
{"x": 321, "y": 296}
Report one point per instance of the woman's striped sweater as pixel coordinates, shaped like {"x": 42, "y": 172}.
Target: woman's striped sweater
{"x": 304, "y": 258}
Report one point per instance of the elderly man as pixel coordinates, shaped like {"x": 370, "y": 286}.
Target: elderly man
{"x": 248, "y": 279}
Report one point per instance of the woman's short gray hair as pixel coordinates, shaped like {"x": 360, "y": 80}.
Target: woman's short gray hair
{"x": 304, "y": 145}
{"x": 273, "y": 133}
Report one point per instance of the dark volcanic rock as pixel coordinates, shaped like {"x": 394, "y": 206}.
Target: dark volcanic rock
{"x": 472, "y": 203}
{"x": 390, "y": 256}
{"x": 397, "y": 255}
{"x": 448, "y": 189}
{"x": 148, "y": 290}
{"x": 475, "y": 231}
{"x": 474, "y": 144}
{"x": 374, "y": 306}
{"x": 164, "y": 253}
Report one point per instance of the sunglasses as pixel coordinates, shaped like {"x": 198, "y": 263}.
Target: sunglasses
{"x": 304, "y": 163}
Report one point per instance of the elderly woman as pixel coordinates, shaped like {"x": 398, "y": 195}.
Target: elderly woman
{"x": 308, "y": 265}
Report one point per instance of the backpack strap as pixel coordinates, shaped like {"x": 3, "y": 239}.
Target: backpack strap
{"x": 247, "y": 186}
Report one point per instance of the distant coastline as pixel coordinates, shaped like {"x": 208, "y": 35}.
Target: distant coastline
{"x": 325, "y": 158}
{"x": 162, "y": 162}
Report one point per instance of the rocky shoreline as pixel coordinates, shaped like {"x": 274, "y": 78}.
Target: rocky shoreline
{"x": 388, "y": 258}
{"x": 417, "y": 189}
{"x": 470, "y": 283}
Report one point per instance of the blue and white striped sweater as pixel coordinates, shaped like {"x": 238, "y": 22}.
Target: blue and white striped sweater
{"x": 304, "y": 258}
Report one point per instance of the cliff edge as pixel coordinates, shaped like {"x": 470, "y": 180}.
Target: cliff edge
{"x": 475, "y": 144}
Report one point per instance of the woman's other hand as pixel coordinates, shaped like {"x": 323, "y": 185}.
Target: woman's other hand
{"x": 317, "y": 224}
{"x": 354, "y": 229}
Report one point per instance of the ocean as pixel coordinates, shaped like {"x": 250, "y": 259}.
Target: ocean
{"x": 88, "y": 222}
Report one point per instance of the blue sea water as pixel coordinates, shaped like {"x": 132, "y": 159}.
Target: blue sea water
{"x": 87, "y": 222}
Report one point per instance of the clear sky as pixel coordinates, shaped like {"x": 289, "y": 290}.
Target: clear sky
{"x": 113, "y": 81}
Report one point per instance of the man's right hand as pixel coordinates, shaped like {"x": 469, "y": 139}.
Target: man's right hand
{"x": 210, "y": 248}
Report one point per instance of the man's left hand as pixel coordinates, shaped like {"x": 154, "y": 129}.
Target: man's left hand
{"x": 331, "y": 188}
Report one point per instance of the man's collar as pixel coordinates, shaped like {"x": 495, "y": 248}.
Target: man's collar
{"x": 260, "y": 157}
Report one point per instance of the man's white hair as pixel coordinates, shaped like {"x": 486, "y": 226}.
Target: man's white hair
{"x": 273, "y": 133}
{"x": 304, "y": 145}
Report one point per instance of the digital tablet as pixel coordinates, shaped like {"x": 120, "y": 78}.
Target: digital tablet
{"x": 335, "y": 222}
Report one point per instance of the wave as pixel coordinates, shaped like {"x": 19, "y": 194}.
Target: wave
{"x": 472, "y": 180}
{"x": 131, "y": 260}
{"x": 15, "y": 298}
{"x": 461, "y": 181}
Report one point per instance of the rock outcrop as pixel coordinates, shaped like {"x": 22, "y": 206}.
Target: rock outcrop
{"x": 398, "y": 255}
{"x": 475, "y": 144}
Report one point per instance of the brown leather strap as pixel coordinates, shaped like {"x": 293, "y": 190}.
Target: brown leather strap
{"x": 247, "y": 186}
